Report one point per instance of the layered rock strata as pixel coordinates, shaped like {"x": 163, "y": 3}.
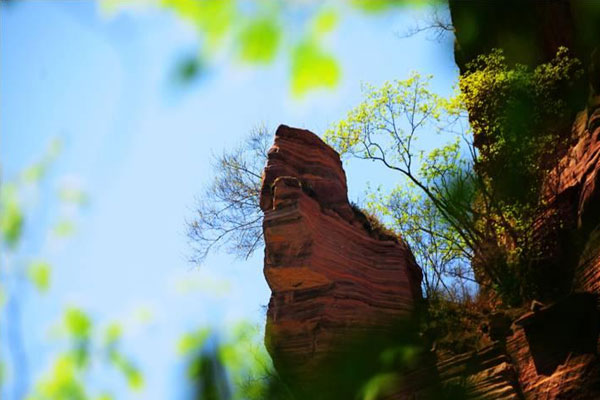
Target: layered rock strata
{"x": 554, "y": 349}
{"x": 331, "y": 279}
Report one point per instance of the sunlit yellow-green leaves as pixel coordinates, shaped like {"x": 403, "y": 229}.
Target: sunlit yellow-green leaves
{"x": 62, "y": 382}
{"x": 259, "y": 40}
{"x": 134, "y": 377}
{"x": 325, "y": 21}
{"x": 192, "y": 341}
{"x": 380, "y": 386}
{"x": 312, "y": 68}
{"x": 112, "y": 333}
{"x": 39, "y": 273}
{"x": 35, "y": 172}
{"x": 383, "y": 5}
{"x": 393, "y": 116}
{"x": 213, "y": 18}
{"x": 77, "y": 323}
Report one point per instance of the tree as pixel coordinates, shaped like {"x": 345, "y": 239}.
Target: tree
{"x": 437, "y": 247}
{"x": 228, "y": 212}
{"x": 432, "y": 207}
{"x": 481, "y": 198}
{"x": 466, "y": 211}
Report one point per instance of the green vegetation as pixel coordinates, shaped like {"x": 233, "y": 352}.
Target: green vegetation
{"x": 231, "y": 366}
{"x": 70, "y": 372}
{"x": 432, "y": 206}
{"x": 467, "y": 211}
{"x": 80, "y": 347}
{"x": 257, "y": 32}
{"x": 520, "y": 122}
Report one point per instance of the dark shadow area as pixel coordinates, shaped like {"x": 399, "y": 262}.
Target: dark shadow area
{"x": 568, "y": 327}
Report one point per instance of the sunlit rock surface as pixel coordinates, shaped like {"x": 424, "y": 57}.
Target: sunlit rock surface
{"x": 331, "y": 279}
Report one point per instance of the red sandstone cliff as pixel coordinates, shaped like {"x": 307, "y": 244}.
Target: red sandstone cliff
{"x": 331, "y": 279}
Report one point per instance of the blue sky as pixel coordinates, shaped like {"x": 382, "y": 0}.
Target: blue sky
{"x": 141, "y": 150}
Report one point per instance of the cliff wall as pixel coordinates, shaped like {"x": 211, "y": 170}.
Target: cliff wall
{"x": 334, "y": 281}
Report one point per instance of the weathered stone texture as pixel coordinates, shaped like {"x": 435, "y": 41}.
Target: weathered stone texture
{"x": 330, "y": 279}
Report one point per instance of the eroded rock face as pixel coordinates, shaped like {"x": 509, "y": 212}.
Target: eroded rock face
{"x": 554, "y": 351}
{"x": 331, "y": 280}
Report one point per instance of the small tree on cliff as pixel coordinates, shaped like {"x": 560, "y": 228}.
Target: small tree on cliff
{"x": 432, "y": 207}
{"x": 228, "y": 212}
{"x": 481, "y": 202}
{"x": 451, "y": 206}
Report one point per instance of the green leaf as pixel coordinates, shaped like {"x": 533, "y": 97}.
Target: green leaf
{"x": 77, "y": 323}
{"x": 11, "y": 216}
{"x": 39, "y": 273}
{"x": 259, "y": 40}
{"x": 379, "y": 386}
{"x": 135, "y": 380}
{"x": 375, "y": 6}
{"x": 113, "y": 333}
{"x": 62, "y": 382}
{"x": 134, "y": 377}
{"x": 34, "y": 173}
{"x": 325, "y": 22}
{"x": 192, "y": 341}
{"x": 214, "y": 18}
{"x": 312, "y": 68}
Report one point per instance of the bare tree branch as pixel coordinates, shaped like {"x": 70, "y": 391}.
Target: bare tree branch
{"x": 228, "y": 214}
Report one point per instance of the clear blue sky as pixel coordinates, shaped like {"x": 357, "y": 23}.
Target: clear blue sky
{"x": 141, "y": 151}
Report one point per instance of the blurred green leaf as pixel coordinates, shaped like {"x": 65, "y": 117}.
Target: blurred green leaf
{"x": 325, "y": 21}
{"x": 259, "y": 40}
{"x": 188, "y": 69}
{"x": 11, "y": 215}
{"x": 312, "y": 68}
{"x": 34, "y": 173}
{"x": 376, "y": 6}
{"x": 39, "y": 273}
{"x": 113, "y": 333}
{"x": 77, "y": 323}
{"x": 212, "y": 17}
{"x": 134, "y": 377}
{"x": 64, "y": 228}
{"x": 380, "y": 385}
{"x": 192, "y": 341}
{"x": 62, "y": 382}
